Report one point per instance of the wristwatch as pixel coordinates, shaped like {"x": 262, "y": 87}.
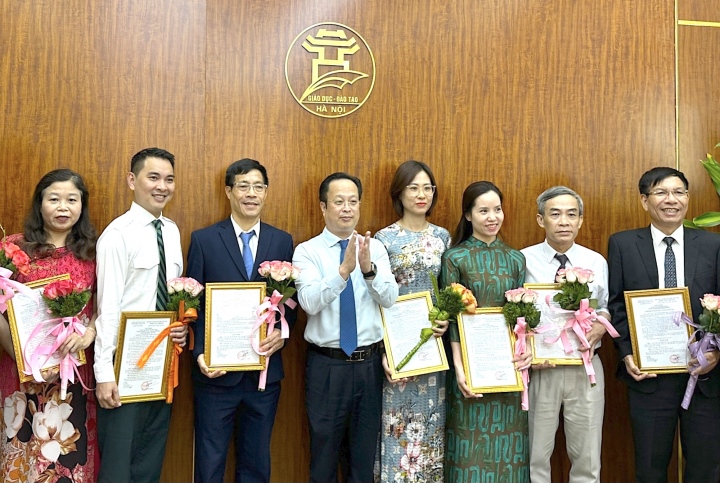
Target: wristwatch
{"x": 372, "y": 272}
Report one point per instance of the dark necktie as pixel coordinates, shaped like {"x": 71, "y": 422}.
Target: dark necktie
{"x": 161, "y": 302}
{"x": 348, "y": 319}
{"x": 670, "y": 266}
{"x": 563, "y": 259}
{"x": 247, "y": 253}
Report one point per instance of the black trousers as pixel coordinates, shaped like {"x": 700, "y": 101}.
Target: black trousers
{"x": 654, "y": 419}
{"x": 132, "y": 441}
{"x": 344, "y": 405}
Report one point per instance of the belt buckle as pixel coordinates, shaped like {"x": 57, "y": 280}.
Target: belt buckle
{"x": 356, "y": 356}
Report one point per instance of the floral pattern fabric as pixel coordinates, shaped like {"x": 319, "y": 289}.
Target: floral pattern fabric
{"x": 487, "y": 438}
{"x": 43, "y": 438}
{"x": 411, "y": 446}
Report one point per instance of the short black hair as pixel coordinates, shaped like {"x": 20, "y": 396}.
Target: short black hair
{"x": 244, "y": 166}
{"x": 137, "y": 163}
{"x": 656, "y": 175}
{"x": 325, "y": 185}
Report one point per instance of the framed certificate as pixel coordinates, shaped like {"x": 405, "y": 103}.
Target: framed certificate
{"x": 25, "y": 314}
{"x": 229, "y": 320}
{"x": 551, "y": 323}
{"x": 659, "y": 346}
{"x": 403, "y": 323}
{"x": 487, "y": 345}
{"x": 137, "y": 330}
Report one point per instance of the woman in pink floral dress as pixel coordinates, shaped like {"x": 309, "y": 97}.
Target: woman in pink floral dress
{"x": 44, "y": 438}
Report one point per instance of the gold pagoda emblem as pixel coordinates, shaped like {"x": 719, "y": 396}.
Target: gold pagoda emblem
{"x": 330, "y": 69}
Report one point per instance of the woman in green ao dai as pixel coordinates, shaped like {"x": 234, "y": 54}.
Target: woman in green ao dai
{"x": 486, "y": 435}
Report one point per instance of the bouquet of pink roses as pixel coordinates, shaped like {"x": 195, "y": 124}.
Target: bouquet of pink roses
{"x": 279, "y": 275}
{"x": 184, "y": 295}
{"x": 521, "y": 304}
{"x": 575, "y": 296}
{"x": 12, "y": 261}
{"x": 186, "y": 290}
{"x": 522, "y": 316}
{"x": 65, "y": 300}
{"x": 708, "y": 331}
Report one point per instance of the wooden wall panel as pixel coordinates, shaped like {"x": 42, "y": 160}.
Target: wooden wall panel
{"x": 698, "y": 127}
{"x": 86, "y": 85}
{"x": 526, "y": 93}
{"x": 701, "y": 10}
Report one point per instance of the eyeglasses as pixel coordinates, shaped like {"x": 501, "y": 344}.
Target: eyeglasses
{"x": 427, "y": 189}
{"x": 679, "y": 193}
{"x": 258, "y": 188}
{"x": 350, "y": 203}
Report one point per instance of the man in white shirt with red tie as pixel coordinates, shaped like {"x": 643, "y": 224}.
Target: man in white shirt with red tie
{"x": 560, "y": 213}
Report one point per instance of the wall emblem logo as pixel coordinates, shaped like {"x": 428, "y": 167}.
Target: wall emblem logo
{"x": 330, "y": 69}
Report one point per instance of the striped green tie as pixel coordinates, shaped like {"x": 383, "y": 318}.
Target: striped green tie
{"x": 162, "y": 291}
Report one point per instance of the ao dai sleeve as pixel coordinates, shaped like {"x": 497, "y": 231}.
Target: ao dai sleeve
{"x": 449, "y": 273}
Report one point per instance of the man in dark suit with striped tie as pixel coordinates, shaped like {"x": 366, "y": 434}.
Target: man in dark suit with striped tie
{"x": 666, "y": 255}
{"x": 231, "y": 251}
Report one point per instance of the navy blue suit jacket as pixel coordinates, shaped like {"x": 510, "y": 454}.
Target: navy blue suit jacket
{"x": 215, "y": 256}
{"x": 632, "y": 264}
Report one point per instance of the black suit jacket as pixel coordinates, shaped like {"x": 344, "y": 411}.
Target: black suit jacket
{"x": 632, "y": 265}
{"x": 215, "y": 256}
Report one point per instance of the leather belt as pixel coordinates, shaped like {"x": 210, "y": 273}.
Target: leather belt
{"x": 360, "y": 354}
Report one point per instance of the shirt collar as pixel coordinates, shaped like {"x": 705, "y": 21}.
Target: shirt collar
{"x": 329, "y": 238}
{"x": 549, "y": 252}
{"x": 144, "y": 216}
{"x": 255, "y": 228}
{"x": 658, "y": 236}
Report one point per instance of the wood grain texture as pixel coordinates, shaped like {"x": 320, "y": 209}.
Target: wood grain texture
{"x": 86, "y": 85}
{"x": 698, "y": 127}
{"x": 703, "y": 10}
{"x": 527, "y": 94}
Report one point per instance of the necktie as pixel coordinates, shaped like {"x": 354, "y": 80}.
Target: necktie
{"x": 162, "y": 299}
{"x": 348, "y": 320}
{"x": 247, "y": 253}
{"x": 670, "y": 267}
{"x": 563, "y": 259}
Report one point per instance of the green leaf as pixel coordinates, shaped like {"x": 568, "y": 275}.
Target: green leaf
{"x": 711, "y": 218}
{"x": 713, "y": 169}
{"x": 690, "y": 224}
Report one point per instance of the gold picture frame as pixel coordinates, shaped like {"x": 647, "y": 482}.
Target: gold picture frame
{"x": 233, "y": 352}
{"x": 23, "y": 318}
{"x": 674, "y": 299}
{"x": 135, "y": 333}
{"x": 542, "y": 352}
{"x": 402, "y": 324}
{"x": 493, "y": 344}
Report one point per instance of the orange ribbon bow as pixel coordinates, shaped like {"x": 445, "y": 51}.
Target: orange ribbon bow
{"x": 184, "y": 318}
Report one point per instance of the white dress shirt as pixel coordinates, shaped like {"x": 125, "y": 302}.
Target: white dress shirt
{"x": 253, "y": 240}
{"x": 320, "y": 284}
{"x": 127, "y": 269}
{"x": 542, "y": 266}
{"x": 678, "y": 249}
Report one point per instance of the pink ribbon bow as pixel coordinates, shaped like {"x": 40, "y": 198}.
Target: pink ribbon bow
{"x": 520, "y": 348}
{"x": 68, "y": 364}
{"x": 580, "y": 324}
{"x": 265, "y": 314}
{"x": 9, "y": 287}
